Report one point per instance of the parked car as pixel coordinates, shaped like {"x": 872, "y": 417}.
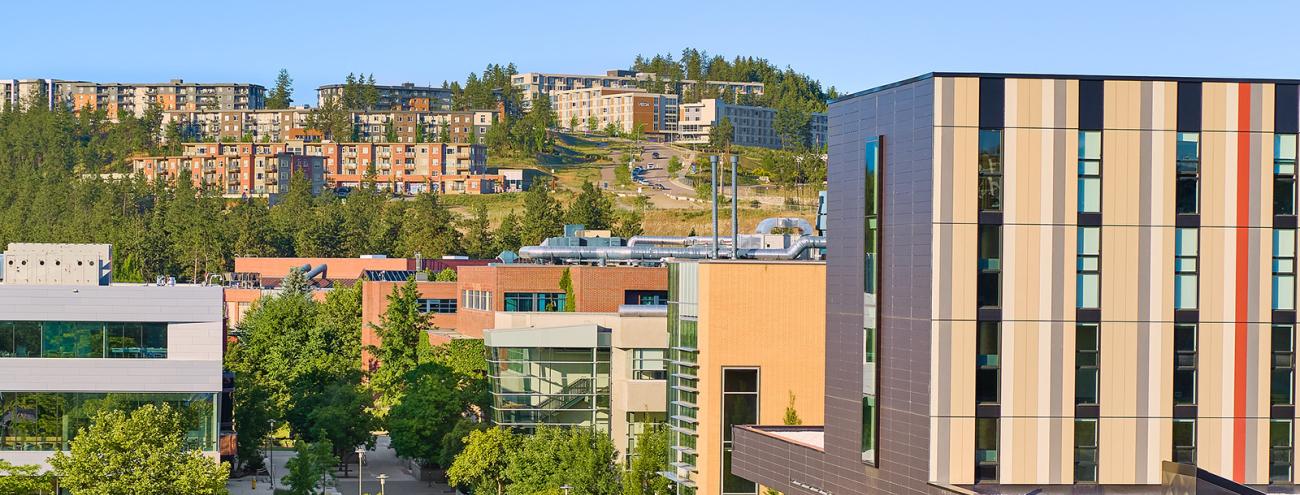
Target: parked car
{"x": 655, "y": 154}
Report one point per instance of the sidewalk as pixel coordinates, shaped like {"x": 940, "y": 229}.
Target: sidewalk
{"x": 380, "y": 460}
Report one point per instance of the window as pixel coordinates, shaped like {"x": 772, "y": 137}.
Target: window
{"x": 1187, "y": 192}
{"x": 1088, "y": 273}
{"x": 990, "y": 171}
{"x": 58, "y": 339}
{"x": 1185, "y": 269}
{"x": 1284, "y": 192}
{"x": 1284, "y": 269}
{"x": 986, "y": 450}
{"x": 1085, "y": 451}
{"x": 987, "y": 362}
{"x": 50, "y": 421}
{"x": 1087, "y": 359}
{"x": 1282, "y": 377}
{"x": 739, "y": 407}
{"x": 477, "y": 299}
{"x": 1185, "y": 441}
{"x": 990, "y": 265}
{"x": 1184, "y": 364}
{"x": 870, "y": 293}
{"x": 645, "y": 297}
{"x": 648, "y": 364}
{"x": 1089, "y": 171}
{"x": 534, "y": 301}
{"x": 1281, "y": 450}
{"x": 437, "y": 305}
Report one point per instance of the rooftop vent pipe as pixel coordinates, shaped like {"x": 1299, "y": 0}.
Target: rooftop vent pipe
{"x": 643, "y": 252}
{"x": 768, "y": 224}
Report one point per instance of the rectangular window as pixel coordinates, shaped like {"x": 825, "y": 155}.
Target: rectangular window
{"x": 986, "y": 450}
{"x": 1186, "y": 250}
{"x": 1088, "y": 269}
{"x": 989, "y": 286}
{"x": 1282, "y": 377}
{"x": 1184, "y": 364}
{"x": 648, "y": 364}
{"x": 1187, "y": 192}
{"x": 50, "y": 421}
{"x": 1284, "y": 156}
{"x": 1284, "y": 269}
{"x": 990, "y": 171}
{"x": 1085, "y": 451}
{"x": 1089, "y": 171}
{"x": 1185, "y": 441}
{"x": 870, "y": 293}
{"x": 480, "y": 300}
{"x": 437, "y": 305}
{"x": 59, "y": 339}
{"x": 1087, "y": 360}
{"x": 1281, "y": 450}
{"x": 534, "y": 301}
{"x": 739, "y": 407}
{"x": 987, "y": 362}
{"x": 645, "y": 297}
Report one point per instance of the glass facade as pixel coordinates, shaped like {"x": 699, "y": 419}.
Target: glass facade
{"x": 1282, "y": 377}
{"x": 66, "y": 339}
{"x": 437, "y": 305}
{"x": 1281, "y": 450}
{"x": 683, "y": 374}
{"x": 645, "y": 297}
{"x": 739, "y": 407}
{"x": 990, "y": 171}
{"x": 1187, "y": 191}
{"x": 1088, "y": 270}
{"x": 49, "y": 421}
{"x": 532, "y": 387}
{"x": 534, "y": 301}
{"x": 1089, "y": 171}
{"x": 648, "y": 364}
{"x": 1284, "y": 192}
{"x": 870, "y": 298}
{"x": 1284, "y": 269}
{"x": 1184, "y": 364}
{"x": 1087, "y": 359}
{"x": 1085, "y": 451}
{"x": 989, "y": 283}
{"x": 1186, "y": 252}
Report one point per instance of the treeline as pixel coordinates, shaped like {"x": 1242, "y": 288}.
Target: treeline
{"x": 781, "y": 87}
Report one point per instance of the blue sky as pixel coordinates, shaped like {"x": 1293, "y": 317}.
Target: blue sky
{"x": 852, "y": 45}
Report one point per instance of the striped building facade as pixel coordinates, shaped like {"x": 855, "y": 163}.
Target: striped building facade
{"x": 1081, "y": 277}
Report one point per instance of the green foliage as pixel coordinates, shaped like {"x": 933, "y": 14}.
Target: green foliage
{"x": 453, "y": 443}
{"x": 642, "y": 476}
{"x": 791, "y": 417}
{"x": 780, "y": 86}
{"x": 478, "y": 234}
{"x": 581, "y": 458}
{"x": 429, "y": 409}
{"x": 674, "y": 164}
{"x": 482, "y": 464}
{"x": 591, "y": 208}
{"x": 542, "y": 215}
{"x": 428, "y": 228}
{"x": 401, "y": 328}
{"x": 566, "y": 285}
{"x": 333, "y": 120}
{"x": 722, "y": 135}
{"x": 24, "y": 479}
{"x": 507, "y": 235}
{"x": 482, "y": 90}
{"x": 143, "y": 452}
{"x": 630, "y": 224}
{"x": 308, "y": 469}
{"x": 792, "y": 167}
{"x": 331, "y": 410}
{"x": 622, "y": 174}
{"x": 446, "y": 275}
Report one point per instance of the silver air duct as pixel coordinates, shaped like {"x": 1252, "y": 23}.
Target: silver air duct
{"x": 768, "y": 224}
{"x": 638, "y": 310}
{"x": 643, "y": 252}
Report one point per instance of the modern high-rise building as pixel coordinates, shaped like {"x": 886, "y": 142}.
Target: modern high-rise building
{"x": 1054, "y": 283}
{"x": 406, "y": 97}
{"x": 751, "y": 125}
{"x": 73, "y": 343}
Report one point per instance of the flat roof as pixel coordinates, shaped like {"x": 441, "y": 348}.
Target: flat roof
{"x": 1019, "y": 75}
{"x": 813, "y": 437}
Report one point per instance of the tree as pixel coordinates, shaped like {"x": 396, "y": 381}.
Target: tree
{"x": 482, "y": 465}
{"x": 401, "y": 328}
{"x": 281, "y": 95}
{"x": 791, "y": 417}
{"x": 581, "y": 458}
{"x": 23, "y": 479}
{"x": 309, "y": 467}
{"x": 573, "y": 123}
{"x": 446, "y": 275}
{"x": 145, "y": 451}
{"x": 428, "y": 411}
{"x": 331, "y": 410}
{"x": 674, "y": 165}
{"x": 428, "y": 228}
{"x": 444, "y": 132}
{"x": 453, "y": 443}
{"x": 478, "y": 234}
{"x": 591, "y": 208}
{"x": 507, "y": 235}
{"x": 721, "y": 135}
{"x": 629, "y": 224}
{"x": 642, "y": 476}
{"x": 592, "y": 124}
{"x": 542, "y": 215}
{"x": 566, "y": 285}
{"x": 332, "y": 119}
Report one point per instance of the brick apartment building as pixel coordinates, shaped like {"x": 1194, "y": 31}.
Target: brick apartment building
{"x": 260, "y": 169}
{"x": 266, "y": 125}
{"x": 625, "y": 108}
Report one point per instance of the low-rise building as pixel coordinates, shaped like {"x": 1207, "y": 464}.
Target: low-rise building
{"x": 752, "y": 126}
{"x": 406, "y": 97}
{"x": 535, "y": 84}
{"x": 626, "y": 109}
{"x": 73, "y": 343}
{"x": 599, "y": 370}
{"x": 235, "y": 170}
{"x": 266, "y": 125}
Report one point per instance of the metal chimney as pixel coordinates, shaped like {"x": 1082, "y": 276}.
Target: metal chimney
{"x": 713, "y": 167}
{"x": 735, "y": 199}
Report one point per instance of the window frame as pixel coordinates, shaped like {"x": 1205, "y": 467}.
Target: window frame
{"x": 1187, "y": 169}
{"x": 1094, "y": 369}
{"x": 991, "y": 169}
{"x": 1187, "y": 266}
{"x": 1084, "y": 176}
{"x": 1093, "y": 448}
{"x": 727, "y": 442}
{"x": 639, "y": 362}
{"x": 1284, "y": 172}
{"x": 986, "y": 366}
{"x": 1282, "y": 365}
{"x": 1088, "y": 265}
{"x": 989, "y": 267}
{"x": 1283, "y": 269}
{"x": 987, "y": 458}
{"x": 1189, "y": 450}
{"x": 1186, "y": 363}
{"x": 1281, "y": 455}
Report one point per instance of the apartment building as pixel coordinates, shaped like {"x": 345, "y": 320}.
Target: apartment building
{"x": 237, "y": 170}
{"x": 72, "y": 343}
{"x": 17, "y": 93}
{"x": 406, "y": 97}
{"x": 746, "y": 342}
{"x": 656, "y": 114}
{"x": 135, "y": 98}
{"x": 280, "y": 125}
{"x": 752, "y": 125}
{"x": 1066, "y": 282}
{"x": 536, "y": 84}
{"x": 603, "y": 371}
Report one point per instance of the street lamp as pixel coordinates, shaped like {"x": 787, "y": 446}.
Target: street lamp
{"x": 270, "y": 453}
{"x": 361, "y": 451}
{"x": 382, "y": 478}
{"x": 566, "y": 489}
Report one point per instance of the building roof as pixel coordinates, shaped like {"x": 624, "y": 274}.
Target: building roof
{"x": 571, "y": 336}
{"x": 1016, "y": 75}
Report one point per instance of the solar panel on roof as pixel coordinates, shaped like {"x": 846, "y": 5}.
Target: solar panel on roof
{"x": 387, "y": 275}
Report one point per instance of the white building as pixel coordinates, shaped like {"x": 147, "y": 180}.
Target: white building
{"x": 72, "y": 342}
{"x": 752, "y": 125}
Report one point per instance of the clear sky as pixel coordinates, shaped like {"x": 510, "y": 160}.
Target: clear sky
{"x": 852, "y": 45}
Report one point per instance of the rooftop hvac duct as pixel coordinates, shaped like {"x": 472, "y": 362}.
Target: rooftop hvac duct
{"x": 766, "y": 226}
{"x": 638, "y": 310}
{"x": 643, "y": 252}
{"x": 320, "y": 269}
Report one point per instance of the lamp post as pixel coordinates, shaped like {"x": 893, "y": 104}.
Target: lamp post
{"x": 382, "y": 478}
{"x": 270, "y": 453}
{"x": 361, "y": 451}
{"x": 566, "y": 489}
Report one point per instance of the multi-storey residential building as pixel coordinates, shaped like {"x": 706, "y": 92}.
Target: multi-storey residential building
{"x": 746, "y": 342}
{"x": 597, "y": 370}
{"x": 1056, "y": 284}
{"x": 16, "y": 93}
{"x": 752, "y": 126}
{"x": 135, "y": 98}
{"x": 72, "y": 342}
{"x": 406, "y": 97}
{"x": 656, "y": 114}
{"x": 535, "y": 84}
{"x": 236, "y": 170}
{"x": 277, "y": 125}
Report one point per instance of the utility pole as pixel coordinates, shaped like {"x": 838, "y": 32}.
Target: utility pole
{"x": 713, "y": 168}
{"x": 735, "y": 199}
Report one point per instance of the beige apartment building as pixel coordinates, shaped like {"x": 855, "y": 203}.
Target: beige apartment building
{"x": 280, "y": 125}
{"x": 625, "y": 108}
{"x": 534, "y": 84}
{"x": 135, "y": 98}
{"x": 601, "y": 370}
{"x": 752, "y": 125}
{"x": 406, "y": 97}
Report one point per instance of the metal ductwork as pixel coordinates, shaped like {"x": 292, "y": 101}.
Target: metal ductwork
{"x": 795, "y": 250}
{"x": 638, "y": 310}
{"x": 320, "y": 269}
{"x": 665, "y": 240}
{"x": 766, "y": 226}
{"x": 643, "y": 252}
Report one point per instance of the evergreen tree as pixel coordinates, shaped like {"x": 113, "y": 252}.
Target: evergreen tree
{"x": 479, "y": 243}
{"x": 507, "y": 235}
{"x": 591, "y": 208}
{"x": 428, "y": 228}
{"x": 281, "y": 95}
{"x": 542, "y": 215}
{"x": 401, "y": 328}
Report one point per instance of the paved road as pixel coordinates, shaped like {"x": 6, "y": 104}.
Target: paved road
{"x": 379, "y": 460}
